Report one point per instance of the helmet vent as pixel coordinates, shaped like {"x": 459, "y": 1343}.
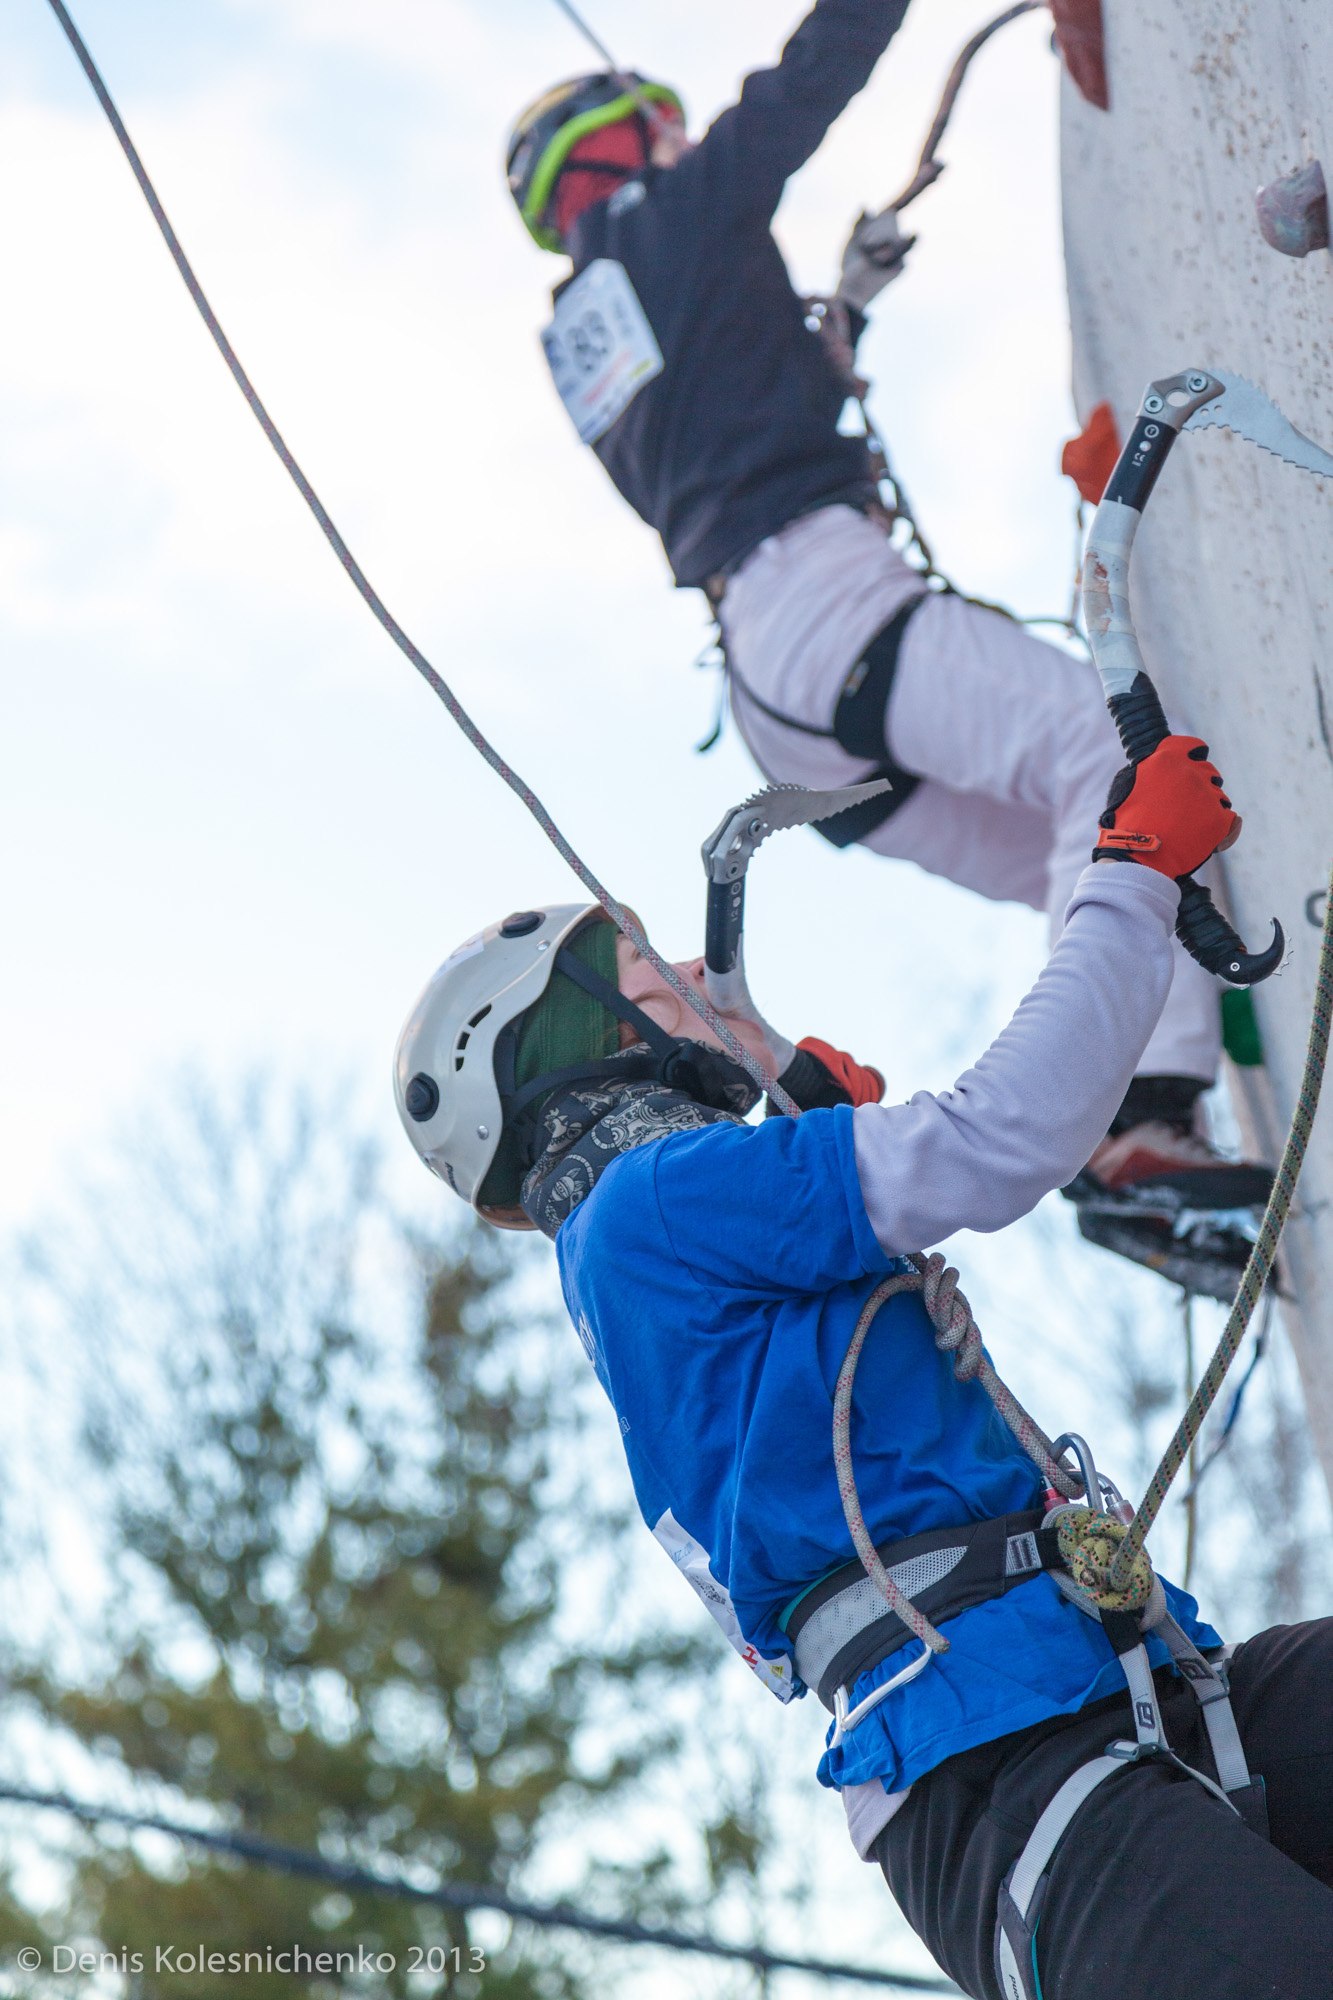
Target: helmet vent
{"x": 465, "y": 1035}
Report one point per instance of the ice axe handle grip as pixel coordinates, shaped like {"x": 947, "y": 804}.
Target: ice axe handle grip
{"x": 1200, "y": 925}
{"x": 722, "y": 925}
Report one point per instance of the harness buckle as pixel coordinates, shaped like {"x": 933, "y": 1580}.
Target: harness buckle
{"x": 846, "y": 1719}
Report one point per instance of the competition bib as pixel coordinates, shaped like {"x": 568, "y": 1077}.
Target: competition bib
{"x": 600, "y": 347}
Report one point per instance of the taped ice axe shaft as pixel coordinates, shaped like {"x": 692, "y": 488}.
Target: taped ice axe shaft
{"x": 1166, "y": 408}
{"x": 726, "y": 856}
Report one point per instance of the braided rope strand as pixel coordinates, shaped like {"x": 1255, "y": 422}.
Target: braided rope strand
{"x": 616, "y": 911}
{"x": 862, "y": 1542}
{"x": 1260, "y": 1264}
{"x": 956, "y": 1333}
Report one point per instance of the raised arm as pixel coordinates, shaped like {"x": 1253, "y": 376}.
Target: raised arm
{"x": 750, "y": 151}
{"x": 1026, "y": 1117}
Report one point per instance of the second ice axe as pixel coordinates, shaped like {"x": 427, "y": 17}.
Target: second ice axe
{"x": 1194, "y": 400}
{"x": 727, "y": 853}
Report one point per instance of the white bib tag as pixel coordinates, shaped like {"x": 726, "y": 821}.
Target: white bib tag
{"x": 600, "y": 347}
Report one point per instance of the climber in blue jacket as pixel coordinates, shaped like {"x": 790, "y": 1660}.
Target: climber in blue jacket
{"x": 716, "y": 1273}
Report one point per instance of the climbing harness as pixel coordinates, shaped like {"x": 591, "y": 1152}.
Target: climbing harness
{"x": 854, "y": 1620}
{"x": 624, "y": 919}
{"x": 858, "y": 727}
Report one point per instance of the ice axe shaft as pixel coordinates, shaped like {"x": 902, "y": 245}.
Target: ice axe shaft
{"x": 1166, "y": 408}
{"x": 727, "y": 854}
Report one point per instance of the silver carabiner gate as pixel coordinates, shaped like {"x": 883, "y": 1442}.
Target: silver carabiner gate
{"x": 845, "y": 1719}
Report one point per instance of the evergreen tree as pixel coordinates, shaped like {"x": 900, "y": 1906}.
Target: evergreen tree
{"x": 321, "y": 1453}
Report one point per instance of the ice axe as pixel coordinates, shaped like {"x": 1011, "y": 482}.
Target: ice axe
{"x": 1197, "y": 399}
{"x": 727, "y": 854}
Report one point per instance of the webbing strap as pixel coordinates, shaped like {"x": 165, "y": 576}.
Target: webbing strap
{"x": 1049, "y": 1831}
{"x": 1245, "y": 1792}
{"x": 1143, "y": 1699}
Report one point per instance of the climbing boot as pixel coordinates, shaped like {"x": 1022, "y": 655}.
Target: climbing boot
{"x": 1202, "y": 1251}
{"x": 1156, "y": 1165}
{"x": 1160, "y": 1193}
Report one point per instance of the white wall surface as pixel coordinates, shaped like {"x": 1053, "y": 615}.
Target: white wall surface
{"x": 1234, "y": 566}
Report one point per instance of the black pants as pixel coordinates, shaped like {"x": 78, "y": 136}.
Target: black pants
{"x": 1157, "y": 1891}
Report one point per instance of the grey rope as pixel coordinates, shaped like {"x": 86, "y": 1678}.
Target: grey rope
{"x": 956, "y": 1333}
{"x": 616, "y": 911}
{"x": 928, "y": 168}
{"x": 1256, "y": 1273}
{"x": 647, "y": 109}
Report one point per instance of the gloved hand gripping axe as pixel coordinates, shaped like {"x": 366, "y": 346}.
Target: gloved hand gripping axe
{"x": 1195, "y": 400}
{"x": 727, "y": 854}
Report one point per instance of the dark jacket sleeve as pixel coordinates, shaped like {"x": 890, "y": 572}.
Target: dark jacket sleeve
{"x": 750, "y": 151}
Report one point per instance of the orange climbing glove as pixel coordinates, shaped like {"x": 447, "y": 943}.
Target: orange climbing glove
{"x": 1169, "y": 812}
{"x": 819, "y": 1076}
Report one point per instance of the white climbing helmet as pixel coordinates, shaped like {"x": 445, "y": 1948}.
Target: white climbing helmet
{"x": 444, "y": 1066}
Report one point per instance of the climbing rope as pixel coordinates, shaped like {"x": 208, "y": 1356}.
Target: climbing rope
{"x": 928, "y": 168}
{"x": 653, "y": 114}
{"x": 1257, "y": 1270}
{"x": 621, "y": 917}
{"x": 957, "y": 1333}
{"x": 1235, "y": 1406}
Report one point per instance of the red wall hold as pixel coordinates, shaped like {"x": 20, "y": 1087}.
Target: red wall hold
{"x": 1078, "y": 36}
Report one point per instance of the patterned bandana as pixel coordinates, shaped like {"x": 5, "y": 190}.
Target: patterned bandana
{"x": 587, "y": 1130}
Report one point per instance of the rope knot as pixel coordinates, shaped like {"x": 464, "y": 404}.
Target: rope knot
{"x": 1089, "y": 1544}
{"x": 956, "y": 1332}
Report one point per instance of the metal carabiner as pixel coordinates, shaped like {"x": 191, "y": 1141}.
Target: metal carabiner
{"x": 1102, "y": 1494}
{"x": 845, "y": 1719}
{"x": 1093, "y": 1494}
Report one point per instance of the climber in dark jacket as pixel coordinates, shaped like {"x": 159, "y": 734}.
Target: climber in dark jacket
{"x": 687, "y": 362}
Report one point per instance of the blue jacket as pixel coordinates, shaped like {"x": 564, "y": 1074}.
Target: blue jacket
{"x": 738, "y": 433}
{"x": 715, "y": 1279}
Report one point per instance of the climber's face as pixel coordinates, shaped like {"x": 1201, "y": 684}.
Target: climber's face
{"x": 640, "y": 982}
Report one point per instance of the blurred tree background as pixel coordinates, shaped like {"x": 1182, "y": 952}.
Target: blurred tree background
{"x": 323, "y": 1553}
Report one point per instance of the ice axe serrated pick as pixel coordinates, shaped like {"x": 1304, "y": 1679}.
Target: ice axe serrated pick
{"x": 1197, "y": 399}
{"x": 726, "y": 856}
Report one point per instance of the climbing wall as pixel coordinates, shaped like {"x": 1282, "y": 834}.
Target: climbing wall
{"x": 1234, "y": 568}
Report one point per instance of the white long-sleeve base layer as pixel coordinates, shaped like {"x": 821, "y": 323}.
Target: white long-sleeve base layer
{"x": 1025, "y": 1117}
{"x": 1010, "y": 736}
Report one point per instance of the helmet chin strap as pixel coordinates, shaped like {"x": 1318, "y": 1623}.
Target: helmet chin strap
{"x": 709, "y": 1075}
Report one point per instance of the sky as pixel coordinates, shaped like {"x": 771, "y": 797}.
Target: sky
{"x": 236, "y": 828}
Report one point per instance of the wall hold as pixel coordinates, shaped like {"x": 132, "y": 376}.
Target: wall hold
{"x": 1079, "y": 38}
{"x": 1293, "y": 211}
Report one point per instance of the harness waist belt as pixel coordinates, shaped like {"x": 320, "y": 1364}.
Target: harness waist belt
{"x": 842, "y": 1627}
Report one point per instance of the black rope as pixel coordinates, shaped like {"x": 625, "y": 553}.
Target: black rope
{"x": 286, "y": 1860}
